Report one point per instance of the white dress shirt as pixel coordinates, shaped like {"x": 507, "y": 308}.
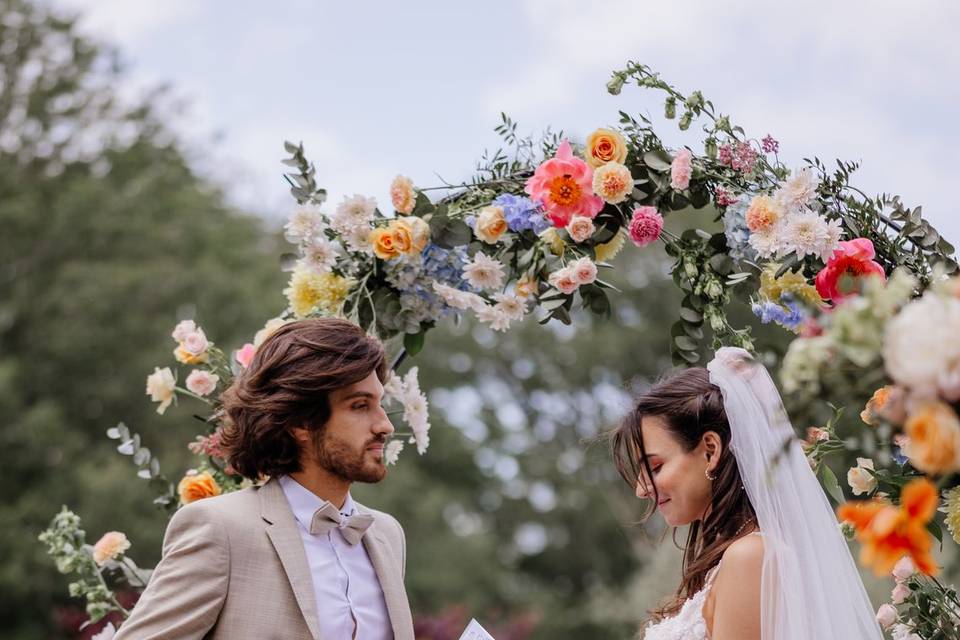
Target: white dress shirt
{"x": 350, "y": 601}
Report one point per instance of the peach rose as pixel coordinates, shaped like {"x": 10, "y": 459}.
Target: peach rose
{"x": 605, "y": 145}
{"x": 109, "y": 546}
{"x": 183, "y": 356}
{"x": 580, "y": 228}
{"x": 402, "y": 195}
{"x": 195, "y": 342}
{"x": 402, "y": 234}
{"x": 585, "y": 271}
{"x": 934, "y": 433}
{"x": 269, "y": 328}
{"x": 526, "y": 286}
{"x": 196, "y": 486}
{"x": 564, "y": 280}
{"x": 875, "y": 406}
{"x": 762, "y": 214}
{"x": 420, "y": 232}
{"x": 491, "y": 224}
{"x": 612, "y": 182}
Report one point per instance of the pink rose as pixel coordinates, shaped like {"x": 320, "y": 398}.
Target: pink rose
{"x": 245, "y": 354}
{"x": 202, "y": 382}
{"x": 645, "y": 226}
{"x": 580, "y": 228}
{"x": 183, "y": 329}
{"x": 900, "y": 593}
{"x": 887, "y": 615}
{"x": 564, "y": 280}
{"x": 904, "y": 567}
{"x": 584, "y": 271}
{"x": 195, "y": 342}
{"x": 681, "y": 169}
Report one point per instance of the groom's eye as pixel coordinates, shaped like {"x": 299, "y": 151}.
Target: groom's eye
{"x": 360, "y": 407}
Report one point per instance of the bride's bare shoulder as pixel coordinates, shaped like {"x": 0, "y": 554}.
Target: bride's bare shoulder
{"x": 744, "y": 554}
{"x": 736, "y": 592}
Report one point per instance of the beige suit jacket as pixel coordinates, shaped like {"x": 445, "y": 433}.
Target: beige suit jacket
{"x": 234, "y": 567}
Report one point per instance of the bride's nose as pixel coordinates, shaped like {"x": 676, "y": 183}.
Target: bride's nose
{"x": 642, "y": 490}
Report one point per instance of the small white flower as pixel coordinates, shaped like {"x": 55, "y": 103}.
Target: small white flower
{"x": 161, "y": 387}
{"x": 799, "y": 190}
{"x": 769, "y": 243}
{"x": 458, "y": 299}
{"x": 354, "y": 209}
{"x": 305, "y": 222}
{"x": 495, "y": 317}
{"x": 392, "y": 451}
{"x": 806, "y": 233}
{"x": 319, "y": 255}
{"x": 860, "y": 479}
{"x": 484, "y": 272}
{"x": 513, "y": 306}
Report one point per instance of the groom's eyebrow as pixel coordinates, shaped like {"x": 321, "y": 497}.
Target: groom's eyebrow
{"x": 359, "y": 394}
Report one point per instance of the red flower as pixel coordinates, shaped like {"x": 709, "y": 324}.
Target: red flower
{"x": 850, "y": 262}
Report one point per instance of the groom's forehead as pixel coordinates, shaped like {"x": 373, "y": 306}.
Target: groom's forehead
{"x": 369, "y": 387}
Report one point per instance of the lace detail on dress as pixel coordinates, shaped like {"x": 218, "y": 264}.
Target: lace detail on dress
{"x": 688, "y": 624}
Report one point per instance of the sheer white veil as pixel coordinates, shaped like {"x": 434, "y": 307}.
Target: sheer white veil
{"x": 811, "y": 588}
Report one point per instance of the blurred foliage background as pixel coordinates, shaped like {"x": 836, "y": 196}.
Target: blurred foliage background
{"x": 108, "y": 237}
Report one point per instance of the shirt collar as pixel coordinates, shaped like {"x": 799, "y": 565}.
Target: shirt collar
{"x": 304, "y": 503}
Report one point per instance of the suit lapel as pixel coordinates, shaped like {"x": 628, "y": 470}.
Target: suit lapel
{"x": 388, "y": 573}
{"x": 285, "y": 536}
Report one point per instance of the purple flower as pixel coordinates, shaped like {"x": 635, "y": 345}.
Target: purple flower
{"x": 522, "y": 214}
{"x": 770, "y": 145}
{"x": 789, "y": 315}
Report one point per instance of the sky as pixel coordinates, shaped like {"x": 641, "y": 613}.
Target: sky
{"x": 375, "y": 89}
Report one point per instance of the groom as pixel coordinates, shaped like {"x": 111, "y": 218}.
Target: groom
{"x": 295, "y": 558}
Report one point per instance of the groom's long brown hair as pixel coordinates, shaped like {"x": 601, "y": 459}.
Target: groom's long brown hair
{"x": 690, "y": 405}
{"x": 287, "y": 385}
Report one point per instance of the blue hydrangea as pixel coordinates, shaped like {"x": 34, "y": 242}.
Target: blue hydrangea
{"x": 522, "y": 214}
{"x": 789, "y": 314}
{"x": 736, "y": 230}
{"x": 413, "y": 277}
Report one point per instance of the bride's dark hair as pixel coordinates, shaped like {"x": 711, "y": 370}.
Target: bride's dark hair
{"x": 690, "y": 405}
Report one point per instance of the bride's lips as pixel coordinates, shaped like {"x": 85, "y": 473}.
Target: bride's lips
{"x": 662, "y": 502}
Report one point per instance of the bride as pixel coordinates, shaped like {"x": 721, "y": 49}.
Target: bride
{"x": 764, "y": 560}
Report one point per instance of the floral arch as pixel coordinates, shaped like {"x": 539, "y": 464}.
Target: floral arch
{"x": 865, "y": 283}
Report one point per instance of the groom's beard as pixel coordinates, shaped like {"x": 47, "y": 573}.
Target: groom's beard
{"x": 337, "y": 457}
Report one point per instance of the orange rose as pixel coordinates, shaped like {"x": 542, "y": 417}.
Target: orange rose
{"x": 420, "y": 230}
{"x": 402, "y": 234}
{"x": 196, "y": 486}
{"x": 383, "y": 243}
{"x": 888, "y": 533}
{"x": 605, "y": 145}
{"x": 875, "y": 405}
{"x": 526, "y": 286}
{"x": 934, "y": 433}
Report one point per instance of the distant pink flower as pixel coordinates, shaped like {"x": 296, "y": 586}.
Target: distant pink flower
{"x": 645, "y": 226}
{"x": 195, "y": 342}
{"x": 740, "y": 156}
{"x": 402, "y": 195}
{"x": 245, "y": 354}
{"x": 564, "y": 186}
{"x": 850, "y": 262}
{"x": 724, "y": 198}
{"x": 769, "y": 144}
{"x": 681, "y": 169}
{"x": 109, "y": 546}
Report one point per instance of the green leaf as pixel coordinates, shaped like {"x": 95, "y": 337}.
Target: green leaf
{"x": 413, "y": 342}
{"x": 830, "y": 484}
{"x": 691, "y": 316}
{"x": 685, "y": 343}
{"x": 657, "y": 159}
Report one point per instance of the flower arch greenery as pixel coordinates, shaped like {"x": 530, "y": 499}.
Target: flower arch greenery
{"x": 534, "y": 231}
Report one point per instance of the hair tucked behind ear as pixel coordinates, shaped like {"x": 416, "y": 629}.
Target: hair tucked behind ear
{"x": 690, "y": 405}
{"x": 288, "y": 385}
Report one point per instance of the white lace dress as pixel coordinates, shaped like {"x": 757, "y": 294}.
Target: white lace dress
{"x": 688, "y": 624}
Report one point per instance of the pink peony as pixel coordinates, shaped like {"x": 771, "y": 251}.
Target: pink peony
{"x": 645, "y": 226}
{"x": 681, "y": 169}
{"x": 564, "y": 186}
{"x": 850, "y": 262}
{"x": 245, "y": 354}
{"x": 584, "y": 270}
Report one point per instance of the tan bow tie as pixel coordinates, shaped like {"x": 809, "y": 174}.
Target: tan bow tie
{"x": 328, "y": 517}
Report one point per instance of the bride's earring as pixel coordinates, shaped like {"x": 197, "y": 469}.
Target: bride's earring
{"x": 711, "y": 478}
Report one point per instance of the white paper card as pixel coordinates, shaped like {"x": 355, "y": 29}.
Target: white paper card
{"x": 475, "y": 632}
